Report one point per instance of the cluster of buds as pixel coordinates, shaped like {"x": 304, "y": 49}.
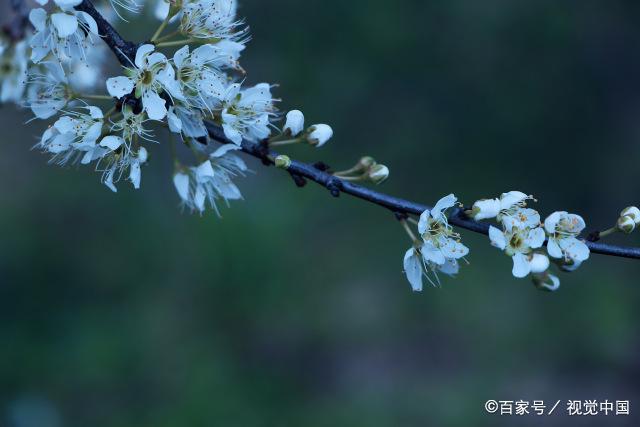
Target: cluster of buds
{"x": 294, "y": 132}
{"x": 367, "y": 169}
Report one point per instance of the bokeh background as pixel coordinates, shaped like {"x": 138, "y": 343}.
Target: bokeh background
{"x": 118, "y": 310}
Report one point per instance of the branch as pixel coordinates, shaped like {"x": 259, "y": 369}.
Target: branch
{"x": 125, "y": 52}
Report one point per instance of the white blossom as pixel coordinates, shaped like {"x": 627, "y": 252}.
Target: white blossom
{"x": 246, "y": 113}
{"x": 518, "y": 244}
{"x": 563, "y": 229}
{"x": 199, "y": 75}
{"x": 440, "y": 248}
{"x": 211, "y": 19}
{"x": 73, "y": 136}
{"x": 65, "y": 33}
{"x": 211, "y": 180}
{"x": 441, "y": 242}
{"x": 118, "y": 160}
{"x": 48, "y": 90}
{"x": 151, "y": 75}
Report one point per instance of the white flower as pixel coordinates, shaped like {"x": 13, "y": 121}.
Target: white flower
{"x": 131, "y": 127}
{"x": 563, "y": 229}
{"x": 120, "y": 159}
{"x": 48, "y": 90}
{"x": 211, "y": 180}
{"x": 441, "y": 243}
{"x": 65, "y": 33}
{"x": 211, "y": 19}
{"x": 198, "y": 73}
{"x": 518, "y": 243}
{"x": 319, "y": 134}
{"x": 73, "y": 136}
{"x": 246, "y": 113}
{"x": 151, "y": 76}
{"x": 440, "y": 249}
{"x": 294, "y": 123}
{"x": 507, "y": 204}
{"x": 519, "y": 218}
{"x": 13, "y": 71}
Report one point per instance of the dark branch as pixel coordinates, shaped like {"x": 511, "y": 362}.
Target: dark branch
{"x": 125, "y": 51}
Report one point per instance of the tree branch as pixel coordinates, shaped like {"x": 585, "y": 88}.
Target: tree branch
{"x": 125, "y": 52}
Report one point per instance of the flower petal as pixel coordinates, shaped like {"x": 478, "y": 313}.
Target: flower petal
{"x": 112, "y": 142}
{"x": 413, "y": 269}
{"x": 181, "y": 182}
{"x": 497, "y": 238}
{"x": 521, "y": 266}
{"x": 154, "y": 105}
{"x": 120, "y": 86}
{"x": 64, "y": 23}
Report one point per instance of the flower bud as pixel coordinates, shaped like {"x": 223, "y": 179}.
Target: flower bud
{"x": 486, "y": 208}
{"x": 282, "y": 162}
{"x": 546, "y": 282}
{"x": 626, "y": 224}
{"x": 378, "y": 173}
{"x": 319, "y": 134}
{"x": 295, "y": 122}
{"x": 539, "y": 263}
{"x": 632, "y": 212}
{"x": 366, "y": 162}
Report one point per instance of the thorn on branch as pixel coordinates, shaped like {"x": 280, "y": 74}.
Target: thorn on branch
{"x": 299, "y": 180}
{"x": 321, "y": 166}
{"x": 334, "y": 185}
{"x": 593, "y": 236}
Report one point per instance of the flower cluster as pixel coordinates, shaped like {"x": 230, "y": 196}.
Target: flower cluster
{"x": 437, "y": 250}
{"x": 200, "y": 81}
{"x": 522, "y": 237}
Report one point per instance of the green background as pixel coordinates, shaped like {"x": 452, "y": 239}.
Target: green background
{"x": 118, "y": 310}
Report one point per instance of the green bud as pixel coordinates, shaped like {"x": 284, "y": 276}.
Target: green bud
{"x": 366, "y": 162}
{"x": 282, "y": 162}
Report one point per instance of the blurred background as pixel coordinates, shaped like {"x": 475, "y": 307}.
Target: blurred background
{"x": 118, "y": 310}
